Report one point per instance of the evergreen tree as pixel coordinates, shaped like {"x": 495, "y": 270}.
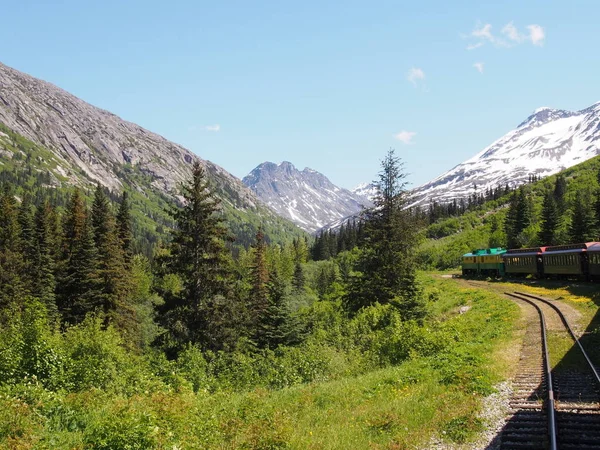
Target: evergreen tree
{"x": 549, "y": 220}
{"x": 11, "y": 257}
{"x": 110, "y": 264}
{"x": 27, "y": 243}
{"x": 299, "y": 280}
{"x": 277, "y": 326}
{"x": 259, "y": 276}
{"x": 203, "y": 311}
{"x": 124, "y": 229}
{"x": 44, "y": 282}
{"x": 583, "y": 221}
{"x": 560, "y": 189}
{"x": 386, "y": 261}
{"x": 81, "y": 293}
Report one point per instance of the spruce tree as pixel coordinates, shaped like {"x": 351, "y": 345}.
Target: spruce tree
{"x": 277, "y": 326}
{"x": 203, "y": 312}
{"x": 583, "y": 220}
{"x": 386, "y": 263}
{"x": 44, "y": 282}
{"x": 259, "y": 277}
{"x": 560, "y": 189}
{"x": 110, "y": 264}
{"x": 549, "y": 220}
{"x": 82, "y": 292}
{"x": 11, "y": 257}
{"x": 124, "y": 229}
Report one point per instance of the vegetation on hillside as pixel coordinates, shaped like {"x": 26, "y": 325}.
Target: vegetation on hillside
{"x": 102, "y": 347}
{"x": 560, "y": 209}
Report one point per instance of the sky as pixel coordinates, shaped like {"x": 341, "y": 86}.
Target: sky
{"x": 322, "y": 84}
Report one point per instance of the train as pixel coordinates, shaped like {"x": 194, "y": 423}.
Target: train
{"x": 580, "y": 261}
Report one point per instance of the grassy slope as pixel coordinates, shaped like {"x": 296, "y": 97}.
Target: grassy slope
{"x": 460, "y": 235}
{"x": 149, "y": 205}
{"x": 430, "y": 394}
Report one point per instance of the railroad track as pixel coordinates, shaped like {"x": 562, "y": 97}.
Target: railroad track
{"x": 552, "y": 408}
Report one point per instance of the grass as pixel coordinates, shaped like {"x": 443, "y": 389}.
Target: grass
{"x": 431, "y": 394}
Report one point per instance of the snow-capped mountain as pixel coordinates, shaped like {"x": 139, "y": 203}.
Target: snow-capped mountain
{"x": 365, "y": 190}
{"x": 305, "y": 197}
{"x": 550, "y": 140}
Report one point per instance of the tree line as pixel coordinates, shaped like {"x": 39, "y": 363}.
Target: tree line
{"x": 79, "y": 260}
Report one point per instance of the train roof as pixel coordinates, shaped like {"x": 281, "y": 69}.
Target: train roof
{"x": 485, "y": 251}
{"x": 523, "y": 251}
{"x": 572, "y": 248}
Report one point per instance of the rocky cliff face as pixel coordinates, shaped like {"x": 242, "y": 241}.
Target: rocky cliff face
{"x": 548, "y": 141}
{"x": 82, "y": 144}
{"x": 98, "y": 142}
{"x": 305, "y": 197}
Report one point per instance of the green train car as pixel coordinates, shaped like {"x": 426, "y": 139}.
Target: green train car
{"x": 484, "y": 262}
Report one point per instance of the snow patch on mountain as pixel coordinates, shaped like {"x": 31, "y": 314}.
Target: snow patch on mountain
{"x": 548, "y": 141}
{"x": 305, "y": 197}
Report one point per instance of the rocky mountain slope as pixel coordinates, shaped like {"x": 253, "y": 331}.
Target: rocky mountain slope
{"x": 89, "y": 145}
{"x": 305, "y": 197}
{"x": 548, "y": 141}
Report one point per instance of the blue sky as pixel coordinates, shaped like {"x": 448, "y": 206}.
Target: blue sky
{"x": 328, "y": 85}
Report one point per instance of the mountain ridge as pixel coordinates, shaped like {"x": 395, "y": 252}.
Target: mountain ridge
{"x": 548, "y": 141}
{"x": 307, "y": 197}
{"x": 90, "y": 145}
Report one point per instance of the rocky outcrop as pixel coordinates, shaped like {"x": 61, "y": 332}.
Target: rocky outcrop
{"x": 94, "y": 142}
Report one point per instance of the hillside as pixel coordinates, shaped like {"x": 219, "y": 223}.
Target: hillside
{"x": 446, "y": 240}
{"x": 46, "y": 128}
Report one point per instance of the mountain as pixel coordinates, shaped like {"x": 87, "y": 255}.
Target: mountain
{"x": 548, "y": 141}
{"x": 365, "y": 190}
{"x": 305, "y": 197}
{"x": 79, "y": 144}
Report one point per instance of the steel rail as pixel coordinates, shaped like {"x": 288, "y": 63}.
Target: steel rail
{"x": 551, "y": 408}
{"x": 566, "y": 324}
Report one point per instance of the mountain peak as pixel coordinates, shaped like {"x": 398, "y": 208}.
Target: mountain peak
{"x": 548, "y": 141}
{"x": 305, "y": 197}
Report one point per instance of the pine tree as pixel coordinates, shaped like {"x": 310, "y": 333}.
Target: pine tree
{"x": 203, "y": 312}
{"x": 560, "y": 189}
{"x": 124, "y": 229}
{"x": 549, "y": 220}
{"x": 259, "y": 276}
{"x": 583, "y": 221}
{"x": 277, "y": 326}
{"x": 386, "y": 261}
{"x": 82, "y": 284}
{"x": 27, "y": 243}
{"x": 44, "y": 282}
{"x": 110, "y": 264}
{"x": 11, "y": 257}
{"x": 299, "y": 280}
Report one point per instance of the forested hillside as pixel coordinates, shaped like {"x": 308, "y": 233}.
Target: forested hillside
{"x": 561, "y": 209}
{"x": 102, "y": 347}
{"x": 31, "y": 168}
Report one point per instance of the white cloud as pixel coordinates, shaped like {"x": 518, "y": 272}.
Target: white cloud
{"x": 405, "y": 136}
{"x": 474, "y": 46}
{"x": 484, "y": 32}
{"x": 415, "y": 75}
{"x": 512, "y": 33}
{"x": 510, "y": 36}
{"x": 536, "y": 34}
{"x": 479, "y": 66}
{"x": 216, "y": 127}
